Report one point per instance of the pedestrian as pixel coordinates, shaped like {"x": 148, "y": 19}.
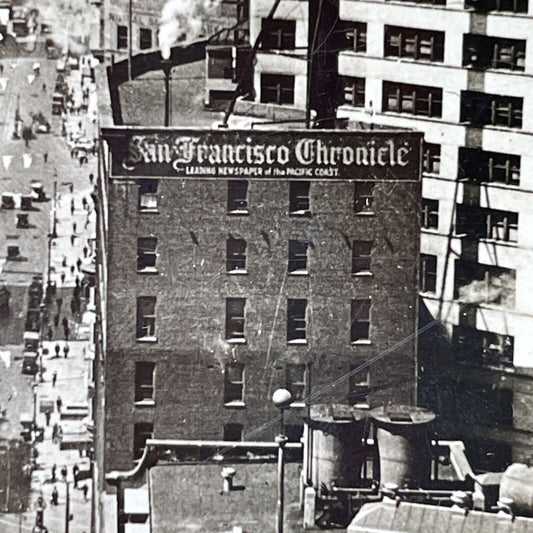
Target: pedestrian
{"x": 53, "y": 467}
{"x": 47, "y": 416}
{"x": 66, "y": 350}
{"x": 72, "y": 267}
{"x": 85, "y": 489}
{"x": 85, "y": 251}
{"x": 74, "y": 226}
{"x": 67, "y": 332}
{"x": 72, "y": 239}
{"x": 72, "y": 206}
{"x": 54, "y": 495}
{"x": 63, "y": 276}
{"x": 57, "y": 348}
{"x": 73, "y": 306}
{"x": 64, "y": 322}
{"x": 54, "y": 439}
{"x": 50, "y": 334}
{"x": 78, "y": 264}
{"x": 56, "y": 320}
{"x": 84, "y": 203}
{"x": 45, "y": 157}
{"x": 64, "y": 473}
{"x": 59, "y": 403}
{"x": 77, "y": 281}
{"x": 44, "y": 87}
{"x": 91, "y": 178}
{"x": 54, "y": 379}
{"x": 1, "y": 69}
{"x": 71, "y": 189}
{"x": 64, "y": 261}
{"x": 75, "y": 472}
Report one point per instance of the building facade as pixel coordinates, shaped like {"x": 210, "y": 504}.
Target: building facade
{"x": 271, "y": 259}
{"x": 461, "y": 73}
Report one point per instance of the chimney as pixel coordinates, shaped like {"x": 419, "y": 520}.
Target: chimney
{"x": 227, "y": 474}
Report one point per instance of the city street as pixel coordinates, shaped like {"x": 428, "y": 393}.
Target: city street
{"x": 65, "y": 180}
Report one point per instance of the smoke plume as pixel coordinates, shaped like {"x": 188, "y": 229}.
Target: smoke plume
{"x": 183, "y": 20}
{"x": 500, "y": 290}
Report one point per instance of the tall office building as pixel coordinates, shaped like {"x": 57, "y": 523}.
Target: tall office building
{"x": 461, "y": 72}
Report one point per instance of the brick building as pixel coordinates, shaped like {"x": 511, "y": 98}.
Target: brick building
{"x": 263, "y": 262}
{"x": 461, "y": 73}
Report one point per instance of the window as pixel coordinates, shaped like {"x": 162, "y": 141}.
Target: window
{"x": 233, "y": 432}
{"x": 146, "y": 254}
{"x": 434, "y": 2}
{"x": 144, "y": 382}
{"x": 431, "y": 158}
{"x": 235, "y": 319}
{"x": 299, "y": 198}
{"x": 483, "y": 52}
{"x": 148, "y": 195}
{"x": 142, "y": 431}
{"x": 412, "y": 99}
{"x": 480, "y": 109}
{"x": 234, "y": 383}
{"x": 513, "y": 6}
{"x": 428, "y": 273}
{"x": 220, "y": 63}
{"x": 361, "y": 257}
{"x": 350, "y": 35}
{"x": 294, "y": 432}
{"x": 414, "y": 43}
{"x": 236, "y": 255}
{"x": 359, "y": 387}
{"x": 296, "y": 322}
{"x": 360, "y": 324}
{"x": 278, "y": 34}
{"x": 354, "y": 91}
{"x": 277, "y": 89}
{"x": 363, "y": 197}
{"x": 502, "y": 225}
{"x": 146, "y": 318}
{"x": 430, "y": 213}
{"x": 145, "y": 38}
{"x": 497, "y": 349}
{"x": 298, "y": 257}
{"x": 480, "y": 166}
{"x": 122, "y": 37}
{"x": 237, "y": 197}
{"x": 295, "y": 381}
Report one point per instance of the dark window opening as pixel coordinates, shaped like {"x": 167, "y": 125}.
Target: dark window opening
{"x": 430, "y": 213}
{"x": 122, "y": 37}
{"x": 294, "y": 432}
{"x": 234, "y": 383}
{"x": 431, "y": 158}
{"x": 360, "y": 320}
{"x": 481, "y": 109}
{"x": 486, "y": 167}
{"x": 277, "y": 89}
{"x": 361, "y": 257}
{"x": 278, "y": 34}
{"x": 412, "y": 99}
{"x": 148, "y": 195}
{"x": 144, "y": 381}
{"x": 414, "y": 43}
{"x": 146, "y": 317}
{"x": 235, "y": 255}
{"x": 359, "y": 387}
{"x": 295, "y": 381}
{"x": 142, "y": 431}
{"x": 483, "y": 52}
{"x": 145, "y": 38}
{"x": 296, "y": 320}
{"x": 235, "y": 318}
{"x": 512, "y": 6}
{"x": 349, "y": 35}
{"x": 237, "y": 196}
{"x": 482, "y": 223}
{"x": 220, "y": 63}
{"x": 299, "y": 203}
{"x": 354, "y": 91}
{"x": 146, "y": 253}
{"x": 233, "y": 432}
{"x": 364, "y": 197}
{"x": 428, "y": 273}
{"x": 297, "y": 256}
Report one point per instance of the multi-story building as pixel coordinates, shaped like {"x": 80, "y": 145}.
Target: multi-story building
{"x": 461, "y": 73}
{"x": 239, "y": 262}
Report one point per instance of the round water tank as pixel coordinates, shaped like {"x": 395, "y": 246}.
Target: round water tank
{"x": 517, "y": 484}
{"x": 337, "y": 446}
{"x": 403, "y": 445}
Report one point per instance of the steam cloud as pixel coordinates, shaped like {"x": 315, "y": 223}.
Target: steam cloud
{"x": 183, "y": 20}
{"x": 500, "y": 290}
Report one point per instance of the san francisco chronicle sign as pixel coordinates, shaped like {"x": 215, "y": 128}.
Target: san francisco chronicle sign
{"x": 265, "y": 154}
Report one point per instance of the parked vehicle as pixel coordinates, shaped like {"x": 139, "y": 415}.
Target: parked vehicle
{"x": 29, "y": 363}
{"x": 58, "y": 103}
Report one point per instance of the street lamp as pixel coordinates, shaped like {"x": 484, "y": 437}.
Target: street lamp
{"x": 282, "y": 400}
